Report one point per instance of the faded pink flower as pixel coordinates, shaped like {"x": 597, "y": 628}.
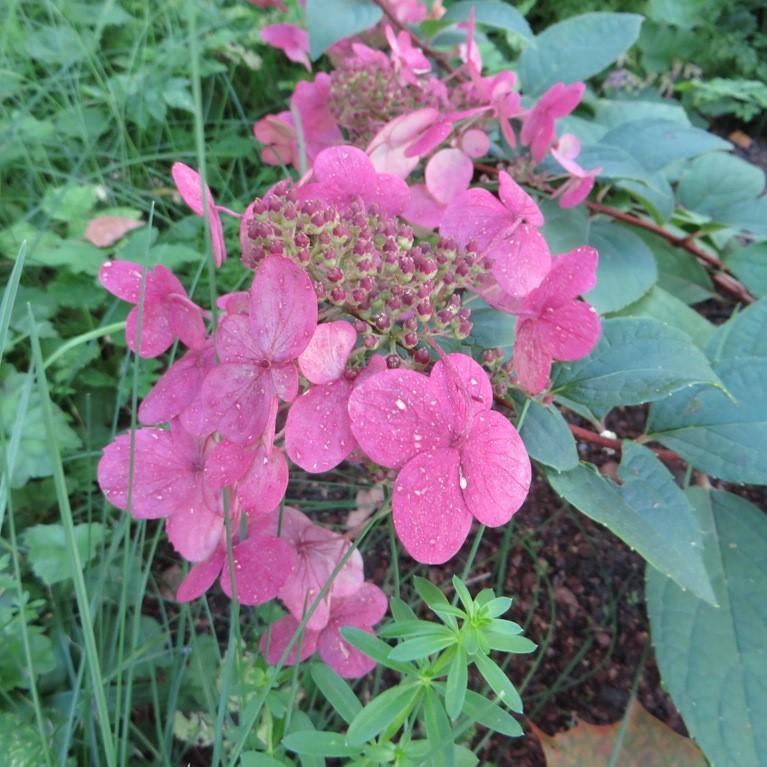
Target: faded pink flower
{"x": 474, "y": 143}
{"x": 458, "y": 459}
{"x": 318, "y": 552}
{"x": 318, "y": 433}
{"x": 409, "y": 11}
{"x": 362, "y": 609}
{"x": 168, "y": 482}
{"x": 538, "y": 129}
{"x": 291, "y": 40}
{"x": 278, "y": 135}
{"x": 343, "y": 175}
{"x": 189, "y": 185}
{"x": 166, "y": 311}
{"x": 552, "y": 324}
{"x": 409, "y": 61}
{"x": 258, "y": 352}
{"x": 576, "y": 189}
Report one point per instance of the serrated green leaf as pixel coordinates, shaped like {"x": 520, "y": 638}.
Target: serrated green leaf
{"x": 648, "y": 512}
{"x": 725, "y": 436}
{"x": 48, "y": 552}
{"x": 713, "y": 661}
{"x": 577, "y": 48}
{"x": 636, "y": 360}
{"x": 548, "y": 438}
{"x": 336, "y": 691}
{"x": 390, "y": 706}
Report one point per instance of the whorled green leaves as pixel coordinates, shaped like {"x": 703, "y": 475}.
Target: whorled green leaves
{"x": 713, "y": 660}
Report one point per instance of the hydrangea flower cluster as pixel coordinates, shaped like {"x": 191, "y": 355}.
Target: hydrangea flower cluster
{"x": 335, "y": 351}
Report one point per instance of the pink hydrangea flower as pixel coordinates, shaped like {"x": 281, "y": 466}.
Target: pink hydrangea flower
{"x": 474, "y": 143}
{"x": 189, "y": 185}
{"x": 318, "y": 552}
{"x": 291, "y": 40}
{"x": 362, "y": 609}
{"x": 278, "y": 4}
{"x": 408, "y": 60}
{"x": 458, "y": 459}
{"x": 166, "y": 313}
{"x": 318, "y": 433}
{"x": 552, "y": 324}
{"x": 409, "y": 11}
{"x": 261, "y": 563}
{"x": 577, "y": 188}
{"x": 258, "y": 352}
{"x": 538, "y": 131}
{"x": 278, "y": 135}
{"x": 344, "y": 174}
{"x": 448, "y": 173}
{"x": 168, "y": 482}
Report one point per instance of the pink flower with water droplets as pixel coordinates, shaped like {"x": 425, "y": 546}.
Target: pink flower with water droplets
{"x": 291, "y": 40}
{"x": 362, "y": 610}
{"x": 577, "y": 188}
{"x": 258, "y": 352}
{"x": 166, "y": 311}
{"x": 458, "y": 459}
{"x": 344, "y": 174}
{"x": 552, "y": 324}
{"x": 538, "y": 129}
{"x": 318, "y": 552}
{"x": 318, "y": 433}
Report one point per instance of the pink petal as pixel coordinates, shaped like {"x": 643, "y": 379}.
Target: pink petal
{"x": 476, "y": 215}
{"x": 567, "y": 149}
{"x": 495, "y": 469}
{"x": 122, "y": 279}
{"x": 195, "y": 531}
{"x": 344, "y": 173}
{"x": 201, "y": 577}
{"x": 570, "y": 331}
{"x": 521, "y": 260}
{"x": 155, "y": 335}
{"x": 474, "y": 142}
{"x": 532, "y": 357}
{"x": 422, "y": 209}
{"x": 217, "y": 244}
{"x": 234, "y": 303}
{"x": 278, "y": 636}
{"x": 227, "y": 462}
{"x": 324, "y": 359}
{"x": 448, "y": 173}
{"x": 186, "y": 321}
{"x": 162, "y": 479}
{"x": 390, "y": 193}
{"x": 395, "y": 415}
{"x": 262, "y": 488}
{"x": 261, "y": 565}
{"x": 290, "y": 39}
{"x": 285, "y": 381}
{"x": 283, "y": 309}
{"x": 430, "y": 139}
{"x": 476, "y": 389}
{"x": 189, "y": 185}
{"x": 318, "y": 433}
{"x": 104, "y": 231}
{"x": 347, "y": 661}
{"x": 430, "y": 516}
{"x": 178, "y": 387}
{"x": 388, "y": 149}
{"x": 236, "y": 399}
{"x": 577, "y": 191}
{"x": 235, "y": 341}
{"x": 363, "y": 607}
{"x": 571, "y": 275}
{"x": 517, "y": 201}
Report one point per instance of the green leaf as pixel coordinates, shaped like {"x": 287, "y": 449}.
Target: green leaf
{"x": 336, "y": 691}
{"x": 510, "y": 643}
{"x": 636, "y": 360}
{"x": 656, "y": 142}
{"x": 564, "y": 228}
{"x": 21, "y": 742}
{"x": 421, "y": 647}
{"x": 750, "y": 216}
{"x": 317, "y": 743}
{"x": 488, "y": 714}
{"x": 725, "y": 436}
{"x": 76, "y": 256}
{"x": 70, "y": 202}
{"x": 390, "y": 706}
{"x": 743, "y": 335}
{"x": 713, "y": 183}
{"x": 648, "y": 512}
{"x": 491, "y": 328}
{"x": 547, "y": 437}
{"x": 626, "y": 268}
{"x": 492, "y": 13}
{"x": 713, "y": 661}
{"x": 48, "y": 552}
{"x": 329, "y": 21}
{"x": 612, "y": 112}
{"x": 457, "y": 681}
{"x": 499, "y": 683}
{"x": 375, "y": 648}
{"x": 576, "y": 48}
{"x": 438, "y": 731}
{"x": 662, "y": 306}
{"x": 749, "y": 264}
{"x": 57, "y": 45}
{"x": 463, "y": 593}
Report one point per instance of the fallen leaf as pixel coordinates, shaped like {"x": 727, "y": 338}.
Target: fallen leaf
{"x": 104, "y": 231}
{"x": 647, "y": 742}
{"x": 367, "y": 502}
{"x": 743, "y": 140}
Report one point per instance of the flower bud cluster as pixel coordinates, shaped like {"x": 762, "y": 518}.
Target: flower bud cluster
{"x": 368, "y": 264}
{"x": 365, "y": 94}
